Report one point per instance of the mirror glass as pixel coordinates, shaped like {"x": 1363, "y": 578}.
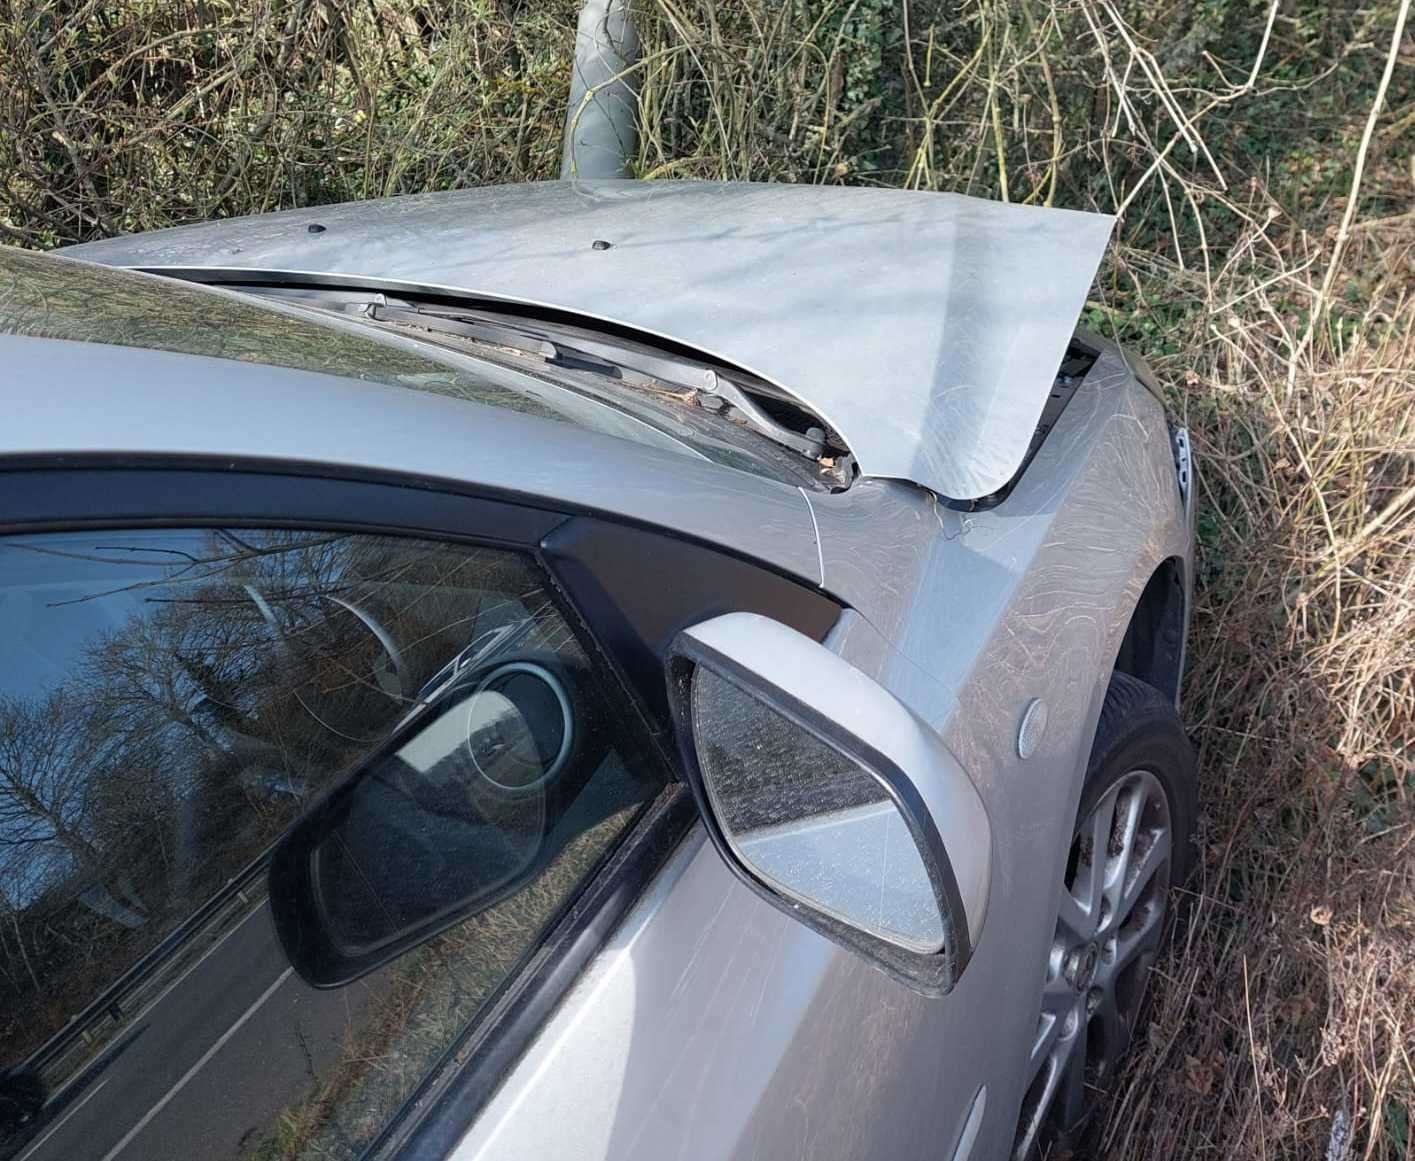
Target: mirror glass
{"x": 809, "y": 820}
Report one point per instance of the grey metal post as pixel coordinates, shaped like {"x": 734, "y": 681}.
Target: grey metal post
{"x": 601, "y": 123}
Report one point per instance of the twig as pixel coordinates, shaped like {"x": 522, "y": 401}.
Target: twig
{"x": 1353, "y": 195}
{"x": 1253, "y": 1057}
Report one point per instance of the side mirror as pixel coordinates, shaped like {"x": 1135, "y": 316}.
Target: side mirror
{"x": 830, "y": 799}
{"x": 455, "y": 813}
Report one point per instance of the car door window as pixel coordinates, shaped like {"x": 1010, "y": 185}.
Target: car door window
{"x": 177, "y": 704}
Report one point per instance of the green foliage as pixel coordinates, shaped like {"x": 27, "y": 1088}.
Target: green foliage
{"x": 1397, "y": 1126}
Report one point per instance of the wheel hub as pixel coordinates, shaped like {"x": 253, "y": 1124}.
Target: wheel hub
{"x": 1108, "y": 926}
{"x": 1081, "y": 966}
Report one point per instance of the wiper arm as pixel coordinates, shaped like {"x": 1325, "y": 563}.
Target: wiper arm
{"x": 725, "y": 392}
{"x": 625, "y": 361}
{"x": 631, "y": 365}
{"x": 502, "y": 334}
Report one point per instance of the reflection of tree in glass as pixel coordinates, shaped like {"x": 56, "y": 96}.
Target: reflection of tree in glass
{"x": 255, "y": 668}
{"x": 58, "y": 298}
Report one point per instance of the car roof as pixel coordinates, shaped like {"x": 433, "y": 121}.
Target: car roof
{"x": 926, "y": 328}
{"x": 86, "y": 381}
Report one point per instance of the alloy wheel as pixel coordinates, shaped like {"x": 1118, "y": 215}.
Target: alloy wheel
{"x": 1108, "y": 927}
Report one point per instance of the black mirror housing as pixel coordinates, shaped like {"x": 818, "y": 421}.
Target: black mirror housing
{"x": 448, "y": 818}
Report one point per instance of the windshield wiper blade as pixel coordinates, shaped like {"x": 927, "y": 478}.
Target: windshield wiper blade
{"x": 629, "y": 364}
{"x": 623, "y": 360}
{"x": 502, "y": 334}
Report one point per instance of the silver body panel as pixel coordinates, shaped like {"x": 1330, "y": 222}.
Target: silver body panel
{"x": 192, "y": 406}
{"x": 926, "y": 328}
{"x": 713, "y": 1026}
{"x": 739, "y": 1034}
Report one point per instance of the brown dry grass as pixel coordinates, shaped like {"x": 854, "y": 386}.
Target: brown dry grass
{"x": 131, "y": 115}
{"x": 1271, "y": 289}
{"x": 1274, "y": 294}
{"x": 1289, "y": 997}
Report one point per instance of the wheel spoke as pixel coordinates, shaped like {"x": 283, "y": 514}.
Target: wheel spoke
{"x": 1058, "y": 1001}
{"x": 1058, "y": 995}
{"x": 1140, "y": 872}
{"x": 1134, "y": 939}
{"x": 1129, "y": 805}
{"x": 1114, "y": 1029}
{"x": 1080, "y": 910}
{"x": 1071, "y": 1083}
{"x": 1048, "y": 1033}
{"x": 1102, "y": 823}
{"x": 1074, "y": 919}
{"x": 1034, "y": 1116}
{"x": 1064, "y": 1086}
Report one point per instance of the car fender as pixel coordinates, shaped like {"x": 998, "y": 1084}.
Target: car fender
{"x": 972, "y": 619}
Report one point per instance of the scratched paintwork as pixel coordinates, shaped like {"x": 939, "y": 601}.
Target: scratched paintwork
{"x": 714, "y": 1026}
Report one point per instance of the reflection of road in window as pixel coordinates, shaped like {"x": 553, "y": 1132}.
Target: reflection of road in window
{"x": 171, "y": 703}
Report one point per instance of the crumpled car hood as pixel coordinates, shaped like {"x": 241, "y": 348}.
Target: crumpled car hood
{"x": 925, "y": 328}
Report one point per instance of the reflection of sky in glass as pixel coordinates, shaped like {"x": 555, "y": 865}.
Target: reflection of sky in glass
{"x": 53, "y": 606}
{"x": 60, "y": 595}
{"x": 47, "y": 613}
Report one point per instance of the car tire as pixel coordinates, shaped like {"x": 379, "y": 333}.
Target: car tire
{"x": 1139, "y": 798}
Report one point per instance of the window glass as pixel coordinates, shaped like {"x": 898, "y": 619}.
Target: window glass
{"x": 174, "y": 705}
{"x": 60, "y": 298}
{"x": 51, "y": 297}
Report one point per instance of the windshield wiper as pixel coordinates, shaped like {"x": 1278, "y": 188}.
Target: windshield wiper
{"x": 731, "y": 394}
{"x": 627, "y": 362}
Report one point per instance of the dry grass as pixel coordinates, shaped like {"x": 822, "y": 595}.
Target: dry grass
{"x": 1290, "y": 995}
{"x": 134, "y": 115}
{"x": 1275, "y": 295}
{"x": 1260, "y": 157}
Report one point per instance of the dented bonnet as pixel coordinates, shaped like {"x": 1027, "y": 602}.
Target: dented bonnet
{"x": 926, "y": 328}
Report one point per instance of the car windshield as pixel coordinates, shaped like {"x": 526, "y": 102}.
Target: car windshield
{"x": 59, "y": 298}
{"x": 45, "y": 296}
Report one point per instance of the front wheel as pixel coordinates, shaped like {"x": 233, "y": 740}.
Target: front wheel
{"x": 1129, "y": 844}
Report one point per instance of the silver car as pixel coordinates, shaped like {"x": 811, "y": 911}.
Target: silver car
{"x": 582, "y": 671}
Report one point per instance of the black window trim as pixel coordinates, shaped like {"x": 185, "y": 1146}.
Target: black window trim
{"x": 74, "y": 493}
{"x": 49, "y": 494}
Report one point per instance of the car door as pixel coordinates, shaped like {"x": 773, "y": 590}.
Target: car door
{"x": 316, "y": 797}
{"x": 717, "y": 1025}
